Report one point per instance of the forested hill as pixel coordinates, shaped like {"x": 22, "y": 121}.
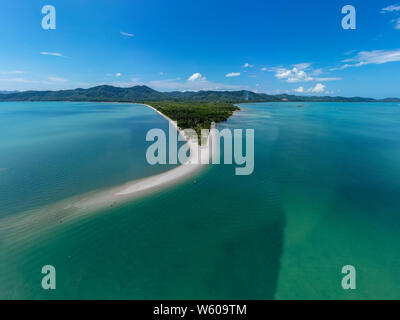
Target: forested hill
{"x": 145, "y": 94}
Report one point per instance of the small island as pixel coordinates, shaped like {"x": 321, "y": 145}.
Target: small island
{"x": 195, "y": 115}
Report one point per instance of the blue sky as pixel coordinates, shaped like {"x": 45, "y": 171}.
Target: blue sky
{"x": 285, "y": 46}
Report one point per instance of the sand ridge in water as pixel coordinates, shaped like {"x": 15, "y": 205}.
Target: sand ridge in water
{"x": 84, "y": 204}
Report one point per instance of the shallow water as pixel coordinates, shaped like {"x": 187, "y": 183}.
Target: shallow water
{"x": 53, "y": 151}
{"x": 324, "y": 194}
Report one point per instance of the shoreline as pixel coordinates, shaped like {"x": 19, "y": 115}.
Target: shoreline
{"x": 93, "y": 201}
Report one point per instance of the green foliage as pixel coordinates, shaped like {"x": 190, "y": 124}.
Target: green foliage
{"x": 99, "y": 93}
{"x": 195, "y": 115}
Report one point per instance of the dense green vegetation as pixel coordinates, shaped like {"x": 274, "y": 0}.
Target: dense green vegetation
{"x": 99, "y": 93}
{"x": 195, "y": 115}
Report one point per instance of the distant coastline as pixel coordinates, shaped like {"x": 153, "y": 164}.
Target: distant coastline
{"x": 144, "y": 94}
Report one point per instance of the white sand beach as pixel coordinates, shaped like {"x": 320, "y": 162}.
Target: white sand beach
{"x": 96, "y": 200}
{"x": 112, "y": 196}
{"x": 198, "y": 156}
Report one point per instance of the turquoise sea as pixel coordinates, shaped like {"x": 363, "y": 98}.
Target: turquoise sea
{"x": 325, "y": 193}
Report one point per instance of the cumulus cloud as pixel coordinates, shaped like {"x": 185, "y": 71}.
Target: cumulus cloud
{"x": 295, "y": 74}
{"x": 118, "y": 74}
{"x": 232, "y": 74}
{"x": 319, "y": 88}
{"x": 301, "y": 72}
{"x": 196, "y": 76}
{"x": 247, "y": 65}
{"x": 299, "y": 90}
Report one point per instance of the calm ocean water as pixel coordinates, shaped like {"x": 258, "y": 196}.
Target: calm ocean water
{"x": 52, "y": 151}
{"x": 325, "y": 193}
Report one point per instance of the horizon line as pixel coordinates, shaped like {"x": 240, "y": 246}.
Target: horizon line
{"x": 193, "y": 91}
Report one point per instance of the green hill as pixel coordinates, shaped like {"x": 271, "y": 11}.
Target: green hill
{"x": 145, "y": 94}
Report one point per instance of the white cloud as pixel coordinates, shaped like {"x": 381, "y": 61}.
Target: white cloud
{"x": 292, "y": 75}
{"x": 118, "y": 74}
{"x": 370, "y": 57}
{"x": 394, "y": 9}
{"x": 282, "y": 73}
{"x": 345, "y": 66}
{"x": 299, "y": 90}
{"x": 55, "y": 54}
{"x": 319, "y": 88}
{"x": 126, "y": 34}
{"x": 391, "y": 8}
{"x": 196, "y": 76}
{"x": 298, "y": 76}
{"x": 302, "y": 66}
{"x": 232, "y": 74}
{"x": 297, "y": 73}
{"x": 247, "y": 65}
{"x": 374, "y": 57}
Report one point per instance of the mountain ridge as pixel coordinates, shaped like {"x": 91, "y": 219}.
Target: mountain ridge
{"x": 142, "y": 93}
